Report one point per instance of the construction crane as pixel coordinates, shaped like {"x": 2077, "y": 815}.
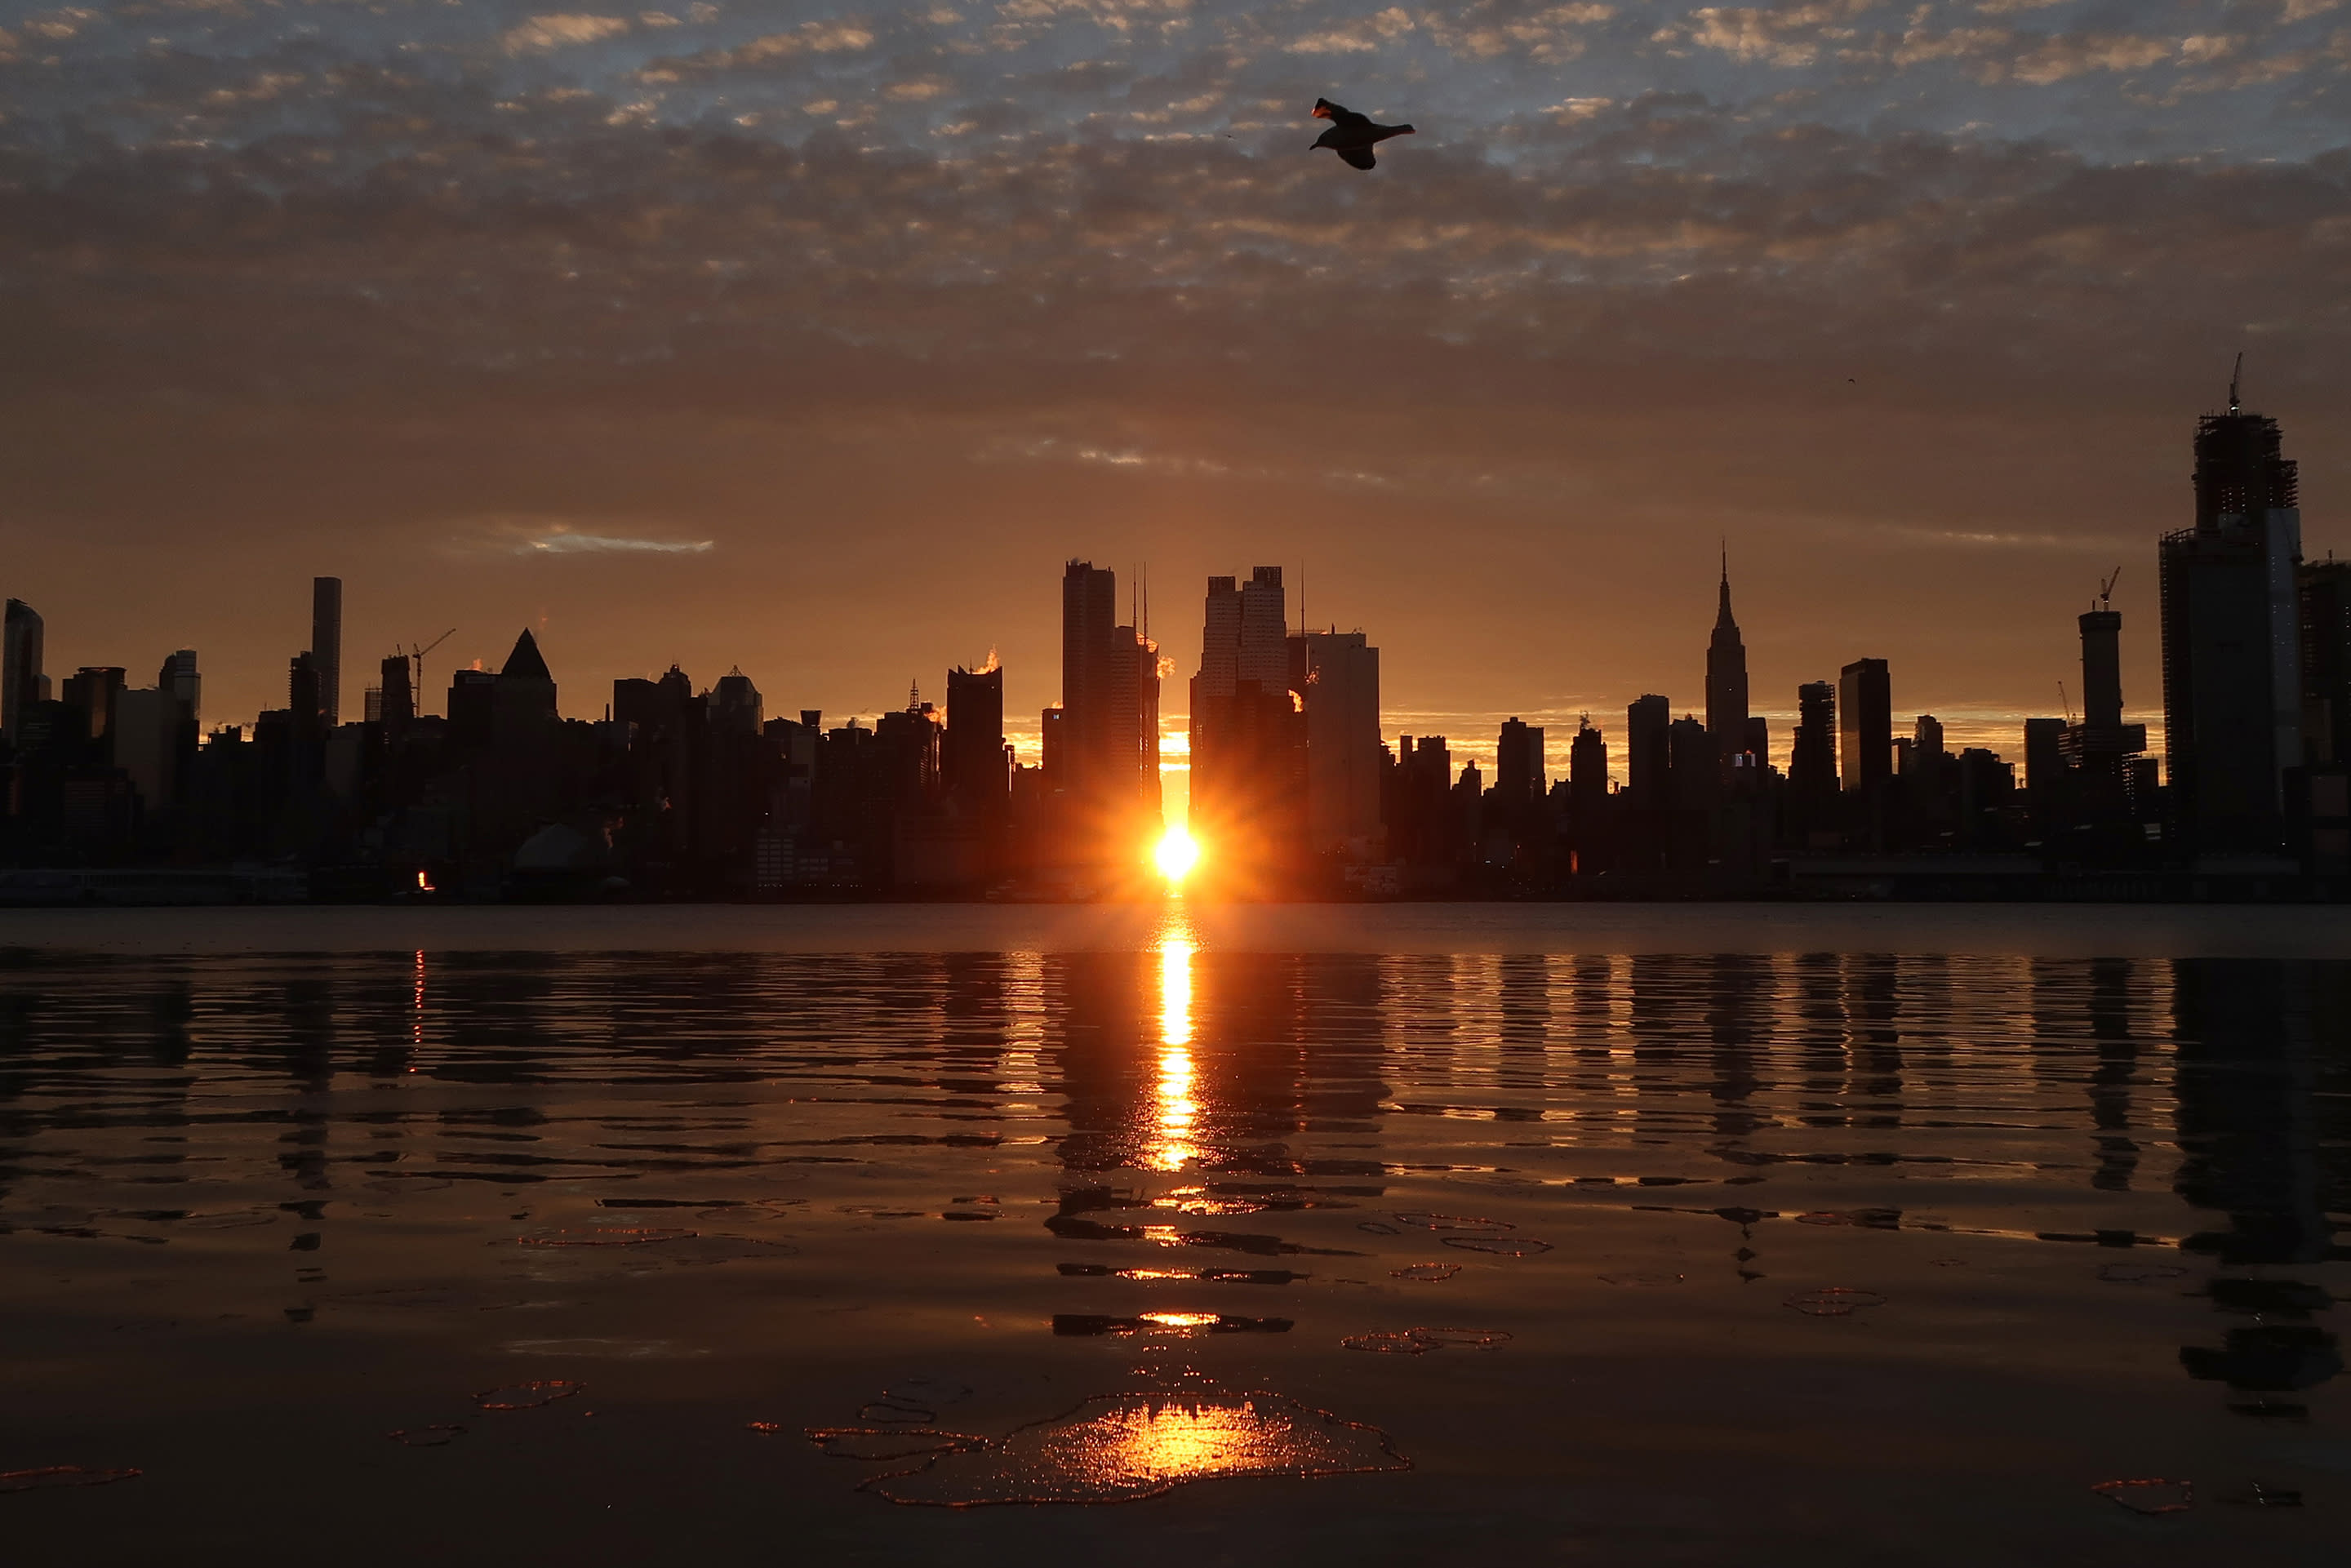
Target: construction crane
{"x": 416, "y": 668}
{"x": 2106, "y": 589}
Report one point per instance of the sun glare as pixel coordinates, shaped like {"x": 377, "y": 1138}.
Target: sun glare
{"x": 1177, "y": 854}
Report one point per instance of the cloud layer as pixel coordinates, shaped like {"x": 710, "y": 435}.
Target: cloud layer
{"x": 956, "y": 291}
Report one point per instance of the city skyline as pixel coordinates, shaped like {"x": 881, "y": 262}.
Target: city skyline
{"x": 1470, "y": 731}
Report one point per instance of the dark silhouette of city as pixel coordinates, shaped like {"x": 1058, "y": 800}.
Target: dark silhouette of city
{"x": 114, "y": 791}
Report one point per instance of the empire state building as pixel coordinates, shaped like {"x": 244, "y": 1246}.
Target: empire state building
{"x": 1726, "y": 683}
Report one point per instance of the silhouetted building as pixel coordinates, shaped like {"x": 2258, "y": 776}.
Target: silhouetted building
{"x": 1108, "y": 764}
{"x": 179, "y": 677}
{"x": 1519, "y": 765}
{"x": 1812, "y": 753}
{"x": 2232, "y": 691}
{"x": 472, "y": 703}
{"x": 2099, "y": 751}
{"x": 305, "y": 708}
{"x": 1649, "y": 750}
{"x": 327, "y": 645}
{"x": 1864, "y": 725}
{"x": 22, "y": 683}
{"x": 92, "y": 692}
{"x": 1248, "y": 734}
{"x": 1588, "y": 827}
{"x": 975, "y": 762}
{"x": 2325, "y": 588}
{"x": 1337, "y": 677}
{"x": 396, "y": 702}
{"x": 1726, "y": 681}
{"x": 735, "y": 707}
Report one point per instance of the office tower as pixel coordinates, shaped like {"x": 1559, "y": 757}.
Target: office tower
{"x": 1757, "y": 745}
{"x": 1245, "y": 668}
{"x": 144, "y": 741}
{"x": 1109, "y": 745}
{"x": 1726, "y": 679}
{"x": 178, "y": 677}
{"x": 1813, "y": 754}
{"x": 2231, "y": 638}
{"x": 327, "y": 645}
{"x": 1422, "y": 818}
{"x": 1864, "y": 725}
{"x": 92, "y": 691}
{"x": 472, "y": 705}
{"x": 1337, "y": 675}
{"x": 522, "y": 701}
{"x": 1927, "y": 747}
{"x": 399, "y": 701}
{"x": 1649, "y": 750}
{"x": 1519, "y": 765}
{"x": 972, "y": 760}
{"x": 1089, "y": 618}
{"x": 22, "y": 685}
{"x": 2325, "y": 588}
{"x": 906, "y": 755}
{"x": 2045, "y": 767}
{"x": 1696, "y": 763}
{"x": 1250, "y": 785}
{"x": 305, "y": 708}
{"x": 1587, "y": 797}
{"x": 1587, "y": 769}
{"x": 737, "y": 707}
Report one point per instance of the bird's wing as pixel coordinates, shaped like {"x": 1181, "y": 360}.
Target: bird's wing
{"x": 1337, "y": 113}
{"x": 1360, "y": 157}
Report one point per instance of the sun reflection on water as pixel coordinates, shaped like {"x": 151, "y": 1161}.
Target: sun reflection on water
{"x": 1173, "y": 1108}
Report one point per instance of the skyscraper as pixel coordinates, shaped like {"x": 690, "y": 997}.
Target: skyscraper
{"x": 1108, "y": 748}
{"x": 1813, "y": 756}
{"x": 93, "y": 689}
{"x": 735, "y": 707}
{"x": 1519, "y": 765}
{"x": 1864, "y": 725}
{"x": 1649, "y": 751}
{"x": 1587, "y": 799}
{"x": 178, "y": 677}
{"x": 972, "y": 754}
{"x": 399, "y": 699}
{"x": 1726, "y": 679}
{"x": 1337, "y": 673}
{"x": 2325, "y": 591}
{"x": 2231, "y": 638}
{"x": 327, "y": 645}
{"x": 1248, "y": 787}
{"x": 20, "y": 668}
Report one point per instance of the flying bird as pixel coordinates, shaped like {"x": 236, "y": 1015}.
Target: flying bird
{"x": 1353, "y": 136}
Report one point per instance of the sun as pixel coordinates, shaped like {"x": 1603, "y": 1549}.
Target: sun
{"x": 1177, "y": 854}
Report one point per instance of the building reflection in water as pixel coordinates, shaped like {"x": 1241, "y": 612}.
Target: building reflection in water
{"x": 2258, "y": 1078}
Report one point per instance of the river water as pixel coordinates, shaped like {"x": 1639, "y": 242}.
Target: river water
{"x": 1174, "y": 1234}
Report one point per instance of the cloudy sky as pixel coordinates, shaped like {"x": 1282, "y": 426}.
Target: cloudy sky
{"x": 813, "y": 339}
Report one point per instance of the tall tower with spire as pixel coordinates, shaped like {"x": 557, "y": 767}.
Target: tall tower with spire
{"x": 1726, "y": 678}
